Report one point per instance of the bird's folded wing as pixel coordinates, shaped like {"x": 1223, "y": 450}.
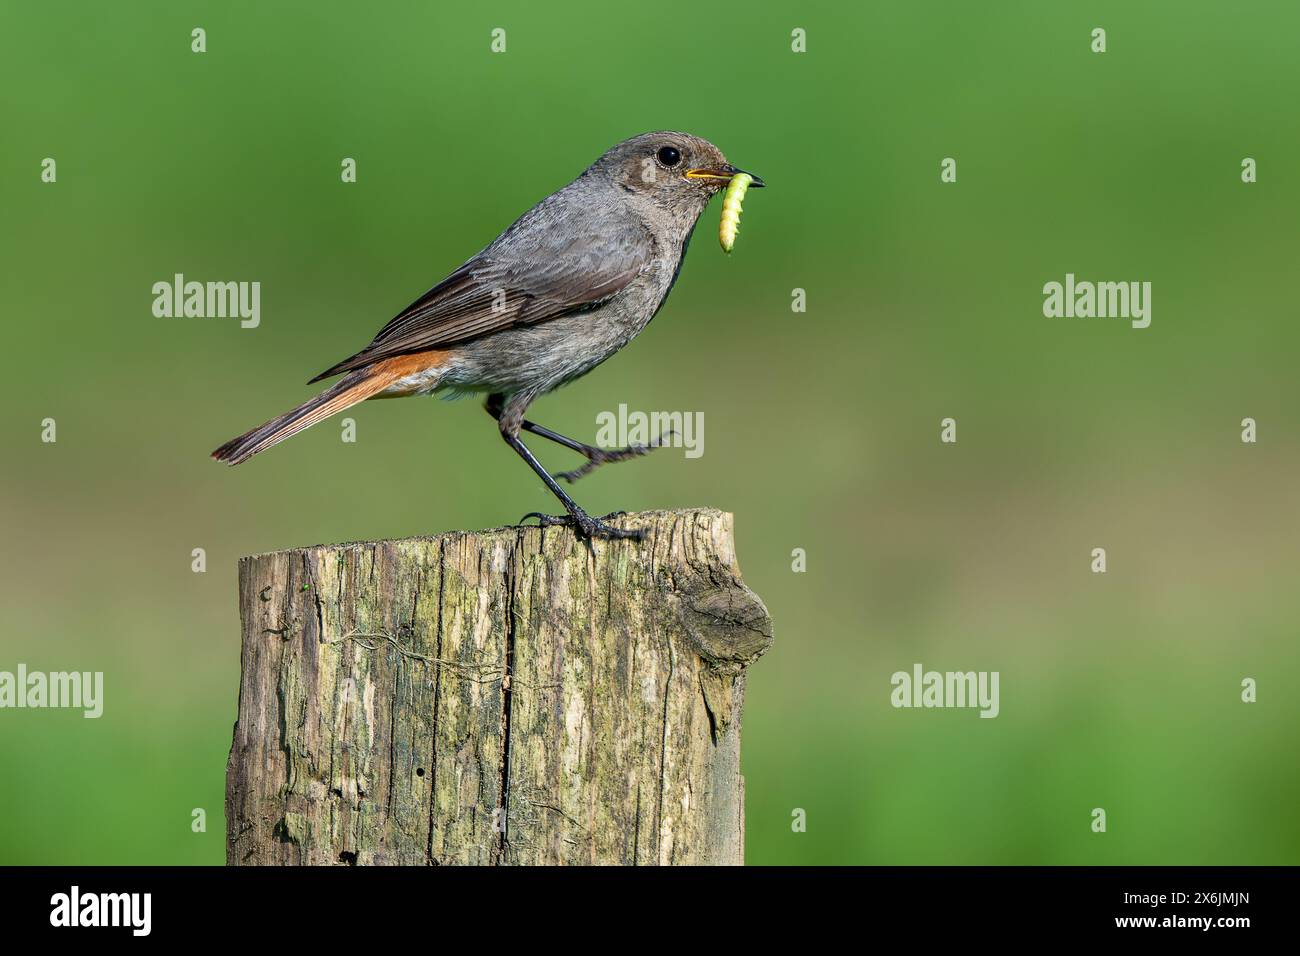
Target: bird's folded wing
{"x": 533, "y": 272}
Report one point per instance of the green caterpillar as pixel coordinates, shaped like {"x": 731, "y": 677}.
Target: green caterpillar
{"x": 731, "y": 200}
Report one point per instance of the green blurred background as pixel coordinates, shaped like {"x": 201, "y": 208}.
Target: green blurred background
{"x": 822, "y": 429}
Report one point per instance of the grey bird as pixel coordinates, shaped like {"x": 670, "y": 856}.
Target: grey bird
{"x": 567, "y": 285}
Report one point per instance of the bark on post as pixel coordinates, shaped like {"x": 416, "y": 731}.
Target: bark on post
{"x": 495, "y": 697}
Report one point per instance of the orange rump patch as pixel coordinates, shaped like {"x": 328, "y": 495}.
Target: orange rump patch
{"x": 391, "y": 371}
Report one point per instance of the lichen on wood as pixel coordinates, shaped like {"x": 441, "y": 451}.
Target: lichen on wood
{"x": 495, "y": 697}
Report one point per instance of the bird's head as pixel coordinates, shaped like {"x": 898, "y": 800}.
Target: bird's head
{"x": 676, "y": 171}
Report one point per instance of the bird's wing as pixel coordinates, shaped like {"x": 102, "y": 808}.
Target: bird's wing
{"x": 551, "y": 262}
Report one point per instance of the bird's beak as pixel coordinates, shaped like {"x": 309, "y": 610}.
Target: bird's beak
{"x": 723, "y": 173}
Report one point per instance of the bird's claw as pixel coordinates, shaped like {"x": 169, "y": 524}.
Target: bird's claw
{"x": 599, "y": 456}
{"x": 587, "y": 527}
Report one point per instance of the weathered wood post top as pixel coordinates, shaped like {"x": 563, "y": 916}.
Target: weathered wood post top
{"x": 495, "y": 697}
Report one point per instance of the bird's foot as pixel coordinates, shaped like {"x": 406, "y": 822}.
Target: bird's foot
{"x": 601, "y": 456}
{"x": 586, "y": 526}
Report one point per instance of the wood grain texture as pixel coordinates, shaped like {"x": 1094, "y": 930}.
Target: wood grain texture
{"x": 495, "y": 697}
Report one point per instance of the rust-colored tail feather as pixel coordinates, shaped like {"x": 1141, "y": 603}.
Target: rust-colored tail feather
{"x": 354, "y": 388}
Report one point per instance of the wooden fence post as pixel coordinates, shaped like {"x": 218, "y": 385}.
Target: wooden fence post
{"x": 495, "y": 697}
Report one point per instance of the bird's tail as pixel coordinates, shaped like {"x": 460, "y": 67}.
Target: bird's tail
{"x": 356, "y": 387}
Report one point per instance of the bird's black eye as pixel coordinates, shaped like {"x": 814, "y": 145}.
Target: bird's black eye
{"x": 670, "y": 155}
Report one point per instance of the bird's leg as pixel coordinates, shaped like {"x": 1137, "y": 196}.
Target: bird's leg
{"x": 595, "y": 456}
{"x": 510, "y": 420}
